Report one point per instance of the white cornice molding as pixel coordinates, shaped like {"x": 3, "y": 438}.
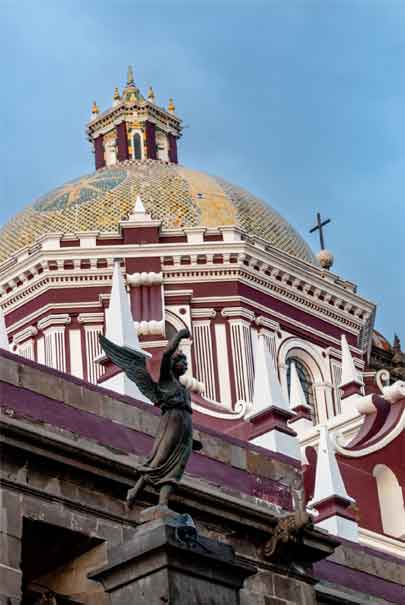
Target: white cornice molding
{"x": 265, "y": 322}
{"x": 382, "y": 542}
{"x": 241, "y": 299}
{"x": 208, "y": 313}
{"x": 299, "y": 275}
{"x": 24, "y": 335}
{"x": 237, "y": 312}
{"x": 31, "y": 318}
{"x": 91, "y": 318}
{"x": 54, "y": 320}
{"x": 176, "y": 293}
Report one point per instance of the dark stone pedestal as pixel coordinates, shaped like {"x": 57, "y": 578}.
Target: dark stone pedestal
{"x": 162, "y": 565}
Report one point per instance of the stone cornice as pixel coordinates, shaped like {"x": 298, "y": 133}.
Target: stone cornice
{"x": 91, "y": 318}
{"x": 237, "y": 312}
{"x": 24, "y": 335}
{"x": 203, "y": 313}
{"x": 271, "y": 271}
{"x": 54, "y": 320}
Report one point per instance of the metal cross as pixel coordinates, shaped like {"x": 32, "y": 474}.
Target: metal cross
{"x": 319, "y": 226}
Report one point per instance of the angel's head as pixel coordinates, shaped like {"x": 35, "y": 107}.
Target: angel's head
{"x": 179, "y": 364}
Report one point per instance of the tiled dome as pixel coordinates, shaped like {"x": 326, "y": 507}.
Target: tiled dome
{"x": 178, "y": 196}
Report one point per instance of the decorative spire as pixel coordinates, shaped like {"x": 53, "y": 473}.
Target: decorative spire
{"x": 4, "y": 344}
{"x": 151, "y": 95}
{"x": 349, "y": 373}
{"x": 117, "y": 96}
{"x": 171, "y": 107}
{"x": 297, "y": 395}
{"x": 120, "y": 329}
{"x": 95, "y": 109}
{"x": 396, "y": 347}
{"x": 130, "y": 76}
{"x": 331, "y": 501}
{"x": 139, "y": 213}
{"x": 119, "y": 322}
{"x": 328, "y": 479}
{"x": 267, "y": 390}
{"x": 269, "y": 403}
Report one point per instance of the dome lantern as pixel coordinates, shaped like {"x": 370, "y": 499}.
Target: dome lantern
{"x": 134, "y": 128}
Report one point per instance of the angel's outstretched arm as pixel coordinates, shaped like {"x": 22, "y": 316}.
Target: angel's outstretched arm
{"x": 165, "y": 366}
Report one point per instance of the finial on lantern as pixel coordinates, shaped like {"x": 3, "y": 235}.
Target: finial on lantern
{"x": 151, "y": 95}
{"x": 130, "y": 75}
{"x": 171, "y": 107}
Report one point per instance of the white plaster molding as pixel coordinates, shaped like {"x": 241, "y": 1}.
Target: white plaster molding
{"x": 203, "y": 313}
{"x": 4, "y": 344}
{"x": 54, "y": 320}
{"x": 265, "y": 322}
{"x": 394, "y": 392}
{"x": 236, "y": 414}
{"x": 91, "y": 318}
{"x": 236, "y": 312}
{"x": 195, "y": 235}
{"x": 25, "y": 334}
{"x": 341, "y": 527}
{"x": 144, "y": 279}
{"x": 379, "y": 445}
{"x": 151, "y": 327}
{"x": 275, "y": 441}
{"x": 377, "y": 541}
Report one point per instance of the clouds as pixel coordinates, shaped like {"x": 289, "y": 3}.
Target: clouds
{"x": 300, "y": 102}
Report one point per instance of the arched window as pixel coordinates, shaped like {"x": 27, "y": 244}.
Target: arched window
{"x": 137, "y": 146}
{"x": 306, "y": 382}
{"x": 391, "y": 501}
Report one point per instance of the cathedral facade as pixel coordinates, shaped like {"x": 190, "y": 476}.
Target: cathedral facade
{"x": 285, "y": 370}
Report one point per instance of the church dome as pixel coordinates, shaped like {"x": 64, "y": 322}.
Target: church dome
{"x": 177, "y": 196}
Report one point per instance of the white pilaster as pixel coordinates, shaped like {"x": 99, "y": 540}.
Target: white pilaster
{"x": 4, "y": 344}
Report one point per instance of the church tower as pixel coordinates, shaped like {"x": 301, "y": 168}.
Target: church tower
{"x": 134, "y": 128}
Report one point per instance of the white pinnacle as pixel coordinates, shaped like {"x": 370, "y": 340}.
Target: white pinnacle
{"x": 297, "y": 395}
{"x": 328, "y": 479}
{"x": 267, "y": 390}
{"x": 120, "y": 327}
{"x": 139, "y": 213}
{"x": 139, "y": 207}
{"x": 3, "y": 332}
{"x": 349, "y": 372}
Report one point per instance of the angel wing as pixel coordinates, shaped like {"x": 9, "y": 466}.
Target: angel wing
{"x": 134, "y": 366}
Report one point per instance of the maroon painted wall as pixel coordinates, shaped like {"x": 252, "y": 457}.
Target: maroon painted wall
{"x": 122, "y": 142}
{"x": 172, "y": 148}
{"x": 99, "y": 152}
{"x": 150, "y": 132}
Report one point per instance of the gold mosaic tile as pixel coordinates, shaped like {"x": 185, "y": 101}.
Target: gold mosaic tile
{"x": 176, "y": 195}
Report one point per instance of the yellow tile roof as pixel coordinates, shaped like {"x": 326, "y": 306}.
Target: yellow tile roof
{"x": 178, "y": 196}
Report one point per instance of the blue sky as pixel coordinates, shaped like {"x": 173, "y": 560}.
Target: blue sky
{"x": 301, "y": 102}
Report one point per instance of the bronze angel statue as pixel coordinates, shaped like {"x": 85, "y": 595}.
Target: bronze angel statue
{"x": 174, "y": 442}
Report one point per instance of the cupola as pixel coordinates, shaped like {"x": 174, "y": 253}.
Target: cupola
{"x": 134, "y": 128}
